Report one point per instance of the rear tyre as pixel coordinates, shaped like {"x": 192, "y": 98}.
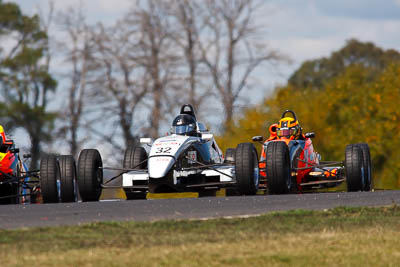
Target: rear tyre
{"x": 367, "y": 166}
{"x": 279, "y": 179}
{"x": 68, "y": 182}
{"x": 354, "y": 164}
{"x": 246, "y": 169}
{"x": 134, "y": 156}
{"x": 90, "y": 174}
{"x": 49, "y": 174}
{"x": 230, "y": 155}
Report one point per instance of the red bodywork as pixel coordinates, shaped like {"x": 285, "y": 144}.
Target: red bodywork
{"x": 7, "y": 163}
{"x": 302, "y": 156}
{"x": 8, "y": 160}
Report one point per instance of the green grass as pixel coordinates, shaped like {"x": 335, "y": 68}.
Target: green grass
{"x": 341, "y": 236}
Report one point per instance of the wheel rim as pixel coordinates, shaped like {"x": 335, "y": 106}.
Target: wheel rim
{"x": 362, "y": 178}
{"x": 98, "y": 174}
{"x": 256, "y": 173}
{"x": 59, "y": 189}
{"x": 369, "y": 177}
{"x": 75, "y": 185}
{"x": 58, "y": 183}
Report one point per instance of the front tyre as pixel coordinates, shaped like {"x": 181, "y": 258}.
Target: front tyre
{"x": 49, "y": 175}
{"x": 246, "y": 169}
{"x": 279, "y": 179}
{"x": 135, "y": 158}
{"x": 355, "y": 171}
{"x": 90, "y": 174}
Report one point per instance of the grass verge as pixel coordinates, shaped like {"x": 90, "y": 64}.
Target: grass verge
{"x": 341, "y": 236}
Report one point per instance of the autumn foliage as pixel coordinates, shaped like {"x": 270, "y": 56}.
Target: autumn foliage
{"x": 360, "y": 104}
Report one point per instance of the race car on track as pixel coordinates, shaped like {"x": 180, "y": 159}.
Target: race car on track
{"x": 289, "y": 163}
{"x": 186, "y": 160}
{"x": 48, "y": 184}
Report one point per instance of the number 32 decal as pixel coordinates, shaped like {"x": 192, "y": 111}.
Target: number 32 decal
{"x": 163, "y": 150}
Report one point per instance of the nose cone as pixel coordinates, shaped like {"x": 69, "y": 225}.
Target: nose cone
{"x": 158, "y": 167}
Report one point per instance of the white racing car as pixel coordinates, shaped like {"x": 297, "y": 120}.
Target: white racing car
{"x": 187, "y": 160}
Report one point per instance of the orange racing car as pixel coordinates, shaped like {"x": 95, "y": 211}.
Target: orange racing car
{"x": 289, "y": 163}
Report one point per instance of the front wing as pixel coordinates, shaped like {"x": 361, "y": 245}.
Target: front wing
{"x": 217, "y": 176}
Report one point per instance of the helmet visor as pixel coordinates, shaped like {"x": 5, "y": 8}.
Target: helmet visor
{"x": 286, "y": 132}
{"x": 183, "y": 129}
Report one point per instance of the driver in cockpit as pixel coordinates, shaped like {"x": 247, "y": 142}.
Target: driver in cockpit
{"x": 185, "y": 123}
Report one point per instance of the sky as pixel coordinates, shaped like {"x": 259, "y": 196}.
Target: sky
{"x": 300, "y": 29}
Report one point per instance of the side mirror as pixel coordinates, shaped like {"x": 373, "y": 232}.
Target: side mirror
{"x": 257, "y": 138}
{"x": 14, "y": 150}
{"x": 310, "y": 135}
{"x": 146, "y": 141}
{"x": 207, "y": 137}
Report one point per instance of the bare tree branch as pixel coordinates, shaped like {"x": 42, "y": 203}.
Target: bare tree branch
{"x": 232, "y": 53}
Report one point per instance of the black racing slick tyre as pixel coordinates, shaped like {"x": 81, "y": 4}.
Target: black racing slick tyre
{"x": 367, "y": 166}
{"x": 246, "y": 169}
{"x": 279, "y": 179}
{"x": 49, "y": 175}
{"x": 354, "y": 165}
{"x": 90, "y": 174}
{"x": 135, "y": 158}
{"x": 68, "y": 183}
{"x": 230, "y": 155}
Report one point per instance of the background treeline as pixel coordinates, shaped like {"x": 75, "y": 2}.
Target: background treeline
{"x": 120, "y": 81}
{"x": 350, "y": 97}
{"x": 69, "y": 84}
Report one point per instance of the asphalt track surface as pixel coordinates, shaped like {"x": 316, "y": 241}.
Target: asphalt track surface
{"x": 20, "y": 216}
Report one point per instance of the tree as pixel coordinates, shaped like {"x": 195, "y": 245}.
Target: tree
{"x": 351, "y": 107}
{"x": 119, "y": 86}
{"x": 188, "y": 19}
{"x": 25, "y": 82}
{"x": 314, "y": 73}
{"x": 232, "y": 50}
{"x": 77, "y": 47}
{"x": 155, "y": 55}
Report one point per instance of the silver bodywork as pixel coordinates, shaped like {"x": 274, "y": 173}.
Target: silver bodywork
{"x": 164, "y": 152}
